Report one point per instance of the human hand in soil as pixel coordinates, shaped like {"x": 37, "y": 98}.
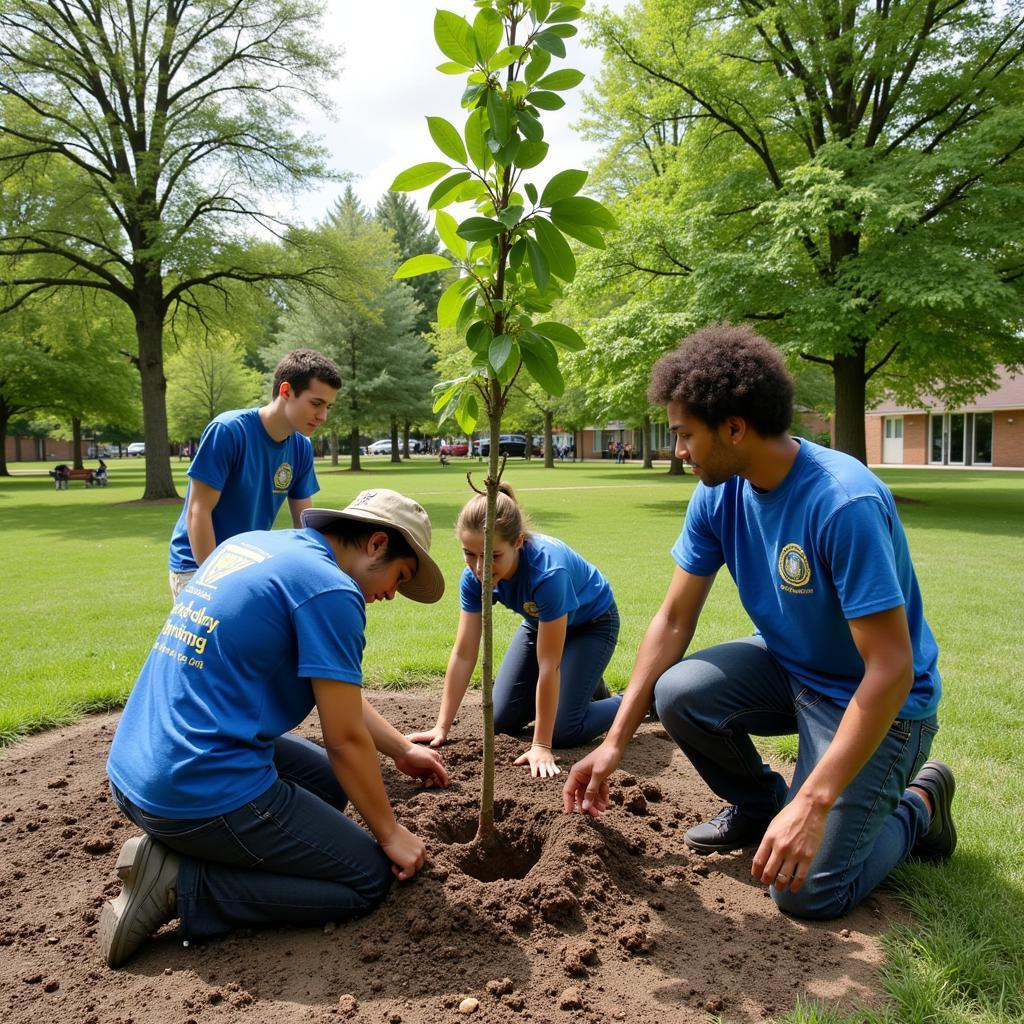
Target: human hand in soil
{"x": 423, "y": 764}
{"x": 435, "y": 737}
{"x": 405, "y": 851}
{"x": 541, "y": 762}
{"x": 586, "y": 789}
{"x": 788, "y": 847}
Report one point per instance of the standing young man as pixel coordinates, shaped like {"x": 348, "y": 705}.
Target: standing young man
{"x": 843, "y": 655}
{"x": 249, "y": 460}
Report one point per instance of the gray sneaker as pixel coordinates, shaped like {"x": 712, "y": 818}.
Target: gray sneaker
{"x": 939, "y": 842}
{"x": 148, "y": 899}
{"x": 729, "y": 829}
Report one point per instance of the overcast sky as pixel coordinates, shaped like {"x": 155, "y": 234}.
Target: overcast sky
{"x": 388, "y": 85}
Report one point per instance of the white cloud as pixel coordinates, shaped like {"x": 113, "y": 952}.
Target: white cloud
{"x": 388, "y": 85}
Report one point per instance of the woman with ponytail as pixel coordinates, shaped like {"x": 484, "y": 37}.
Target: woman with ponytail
{"x": 552, "y": 672}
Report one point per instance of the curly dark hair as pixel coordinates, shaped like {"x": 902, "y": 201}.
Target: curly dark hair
{"x": 726, "y": 370}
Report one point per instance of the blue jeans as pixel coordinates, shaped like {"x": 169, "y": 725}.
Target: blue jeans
{"x": 288, "y": 857}
{"x": 711, "y": 701}
{"x": 588, "y": 649}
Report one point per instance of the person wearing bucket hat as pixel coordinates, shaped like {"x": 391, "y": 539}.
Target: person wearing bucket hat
{"x": 243, "y": 821}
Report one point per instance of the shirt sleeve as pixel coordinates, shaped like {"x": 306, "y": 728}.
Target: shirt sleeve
{"x": 305, "y": 484}
{"x": 215, "y": 456}
{"x": 698, "y": 549}
{"x": 555, "y": 596}
{"x": 330, "y": 629}
{"x": 470, "y": 592}
{"x": 856, "y": 544}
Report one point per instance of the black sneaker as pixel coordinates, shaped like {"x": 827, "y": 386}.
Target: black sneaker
{"x": 939, "y": 842}
{"x": 729, "y": 829}
{"x": 601, "y": 693}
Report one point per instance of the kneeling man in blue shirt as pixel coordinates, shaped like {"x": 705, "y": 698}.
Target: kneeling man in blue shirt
{"x": 842, "y": 656}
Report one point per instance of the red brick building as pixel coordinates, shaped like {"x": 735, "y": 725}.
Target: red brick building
{"x": 986, "y": 432}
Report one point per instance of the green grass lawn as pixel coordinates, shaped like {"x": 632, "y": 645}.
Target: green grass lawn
{"x": 86, "y": 592}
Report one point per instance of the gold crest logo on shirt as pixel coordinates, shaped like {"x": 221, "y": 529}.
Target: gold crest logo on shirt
{"x": 793, "y": 566}
{"x": 531, "y": 609}
{"x": 283, "y": 477}
{"x": 228, "y": 559}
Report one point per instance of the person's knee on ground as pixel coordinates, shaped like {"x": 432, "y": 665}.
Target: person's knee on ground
{"x": 823, "y": 901}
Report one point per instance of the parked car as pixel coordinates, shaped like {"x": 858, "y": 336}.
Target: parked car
{"x": 136, "y": 448}
{"x": 382, "y": 447}
{"x": 102, "y": 451}
{"x": 508, "y": 444}
{"x": 455, "y": 448}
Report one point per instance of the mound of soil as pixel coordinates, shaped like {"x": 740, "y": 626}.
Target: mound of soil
{"x": 576, "y": 920}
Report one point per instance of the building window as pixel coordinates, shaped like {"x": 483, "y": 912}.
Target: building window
{"x": 938, "y": 446}
{"x": 982, "y": 453}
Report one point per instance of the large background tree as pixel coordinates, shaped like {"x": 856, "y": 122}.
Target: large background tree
{"x": 847, "y": 174}
{"x": 176, "y": 121}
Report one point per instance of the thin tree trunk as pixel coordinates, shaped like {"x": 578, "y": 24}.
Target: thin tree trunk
{"x": 549, "y": 440}
{"x": 645, "y": 441}
{"x": 149, "y": 329}
{"x": 396, "y": 455}
{"x": 848, "y": 372}
{"x": 528, "y": 454}
{"x": 354, "y": 444}
{"x": 333, "y": 442}
{"x": 5, "y": 417}
{"x": 76, "y": 442}
{"x": 405, "y": 441}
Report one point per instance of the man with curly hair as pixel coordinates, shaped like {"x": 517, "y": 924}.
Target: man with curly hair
{"x": 842, "y": 656}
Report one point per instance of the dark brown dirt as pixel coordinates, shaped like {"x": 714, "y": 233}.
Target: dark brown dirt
{"x": 588, "y": 921}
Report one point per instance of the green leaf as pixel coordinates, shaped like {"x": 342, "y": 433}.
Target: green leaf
{"x": 451, "y": 301}
{"x": 542, "y": 369}
{"x": 499, "y": 116}
{"x": 446, "y": 391}
{"x": 478, "y": 337}
{"x": 517, "y": 255}
{"x": 550, "y": 42}
{"x": 498, "y": 352}
{"x": 538, "y": 264}
{"x": 487, "y": 31}
{"x": 539, "y": 63}
{"x": 503, "y": 58}
{"x": 447, "y": 139}
{"x": 530, "y": 126}
{"x": 584, "y": 232}
{"x": 467, "y": 315}
{"x": 581, "y": 210}
{"x": 426, "y": 263}
{"x": 479, "y": 229}
{"x": 562, "y": 186}
{"x": 449, "y": 67}
{"x": 476, "y": 138}
{"x": 560, "y": 257}
{"x": 565, "y": 13}
{"x": 455, "y": 38}
{"x": 567, "y": 78}
{"x": 446, "y": 229}
{"x": 531, "y": 154}
{"x": 445, "y": 191}
{"x": 562, "y": 31}
{"x": 510, "y": 216}
{"x": 541, "y": 8}
{"x": 472, "y": 191}
{"x": 531, "y": 191}
{"x": 416, "y": 177}
{"x": 467, "y": 411}
{"x": 546, "y": 100}
{"x": 471, "y": 96}
{"x": 560, "y": 335}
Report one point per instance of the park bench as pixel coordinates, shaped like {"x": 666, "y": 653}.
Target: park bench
{"x": 61, "y": 477}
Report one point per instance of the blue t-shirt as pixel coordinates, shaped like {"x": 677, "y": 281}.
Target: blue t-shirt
{"x": 254, "y": 474}
{"x": 550, "y": 581}
{"x": 823, "y": 547}
{"x": 231, "y": 670}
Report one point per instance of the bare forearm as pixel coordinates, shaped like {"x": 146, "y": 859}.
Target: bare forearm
{"x": 548, "y": 687}
{"x": 355, "y": 764}
{"x": 456, "y": 682}
{"x": 201, "y": 537}
{"x": 386, "y": 738}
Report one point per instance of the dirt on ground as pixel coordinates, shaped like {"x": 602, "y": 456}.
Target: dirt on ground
{"x": 578, "y": 920}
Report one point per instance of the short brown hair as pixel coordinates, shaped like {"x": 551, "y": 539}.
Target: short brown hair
{"x": 509, "y": 522}
{"x": 726, "y": 370}
{"x": 302, "y": 365}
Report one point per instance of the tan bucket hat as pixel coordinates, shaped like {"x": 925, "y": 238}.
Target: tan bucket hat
{"x": 382, "y": 507}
